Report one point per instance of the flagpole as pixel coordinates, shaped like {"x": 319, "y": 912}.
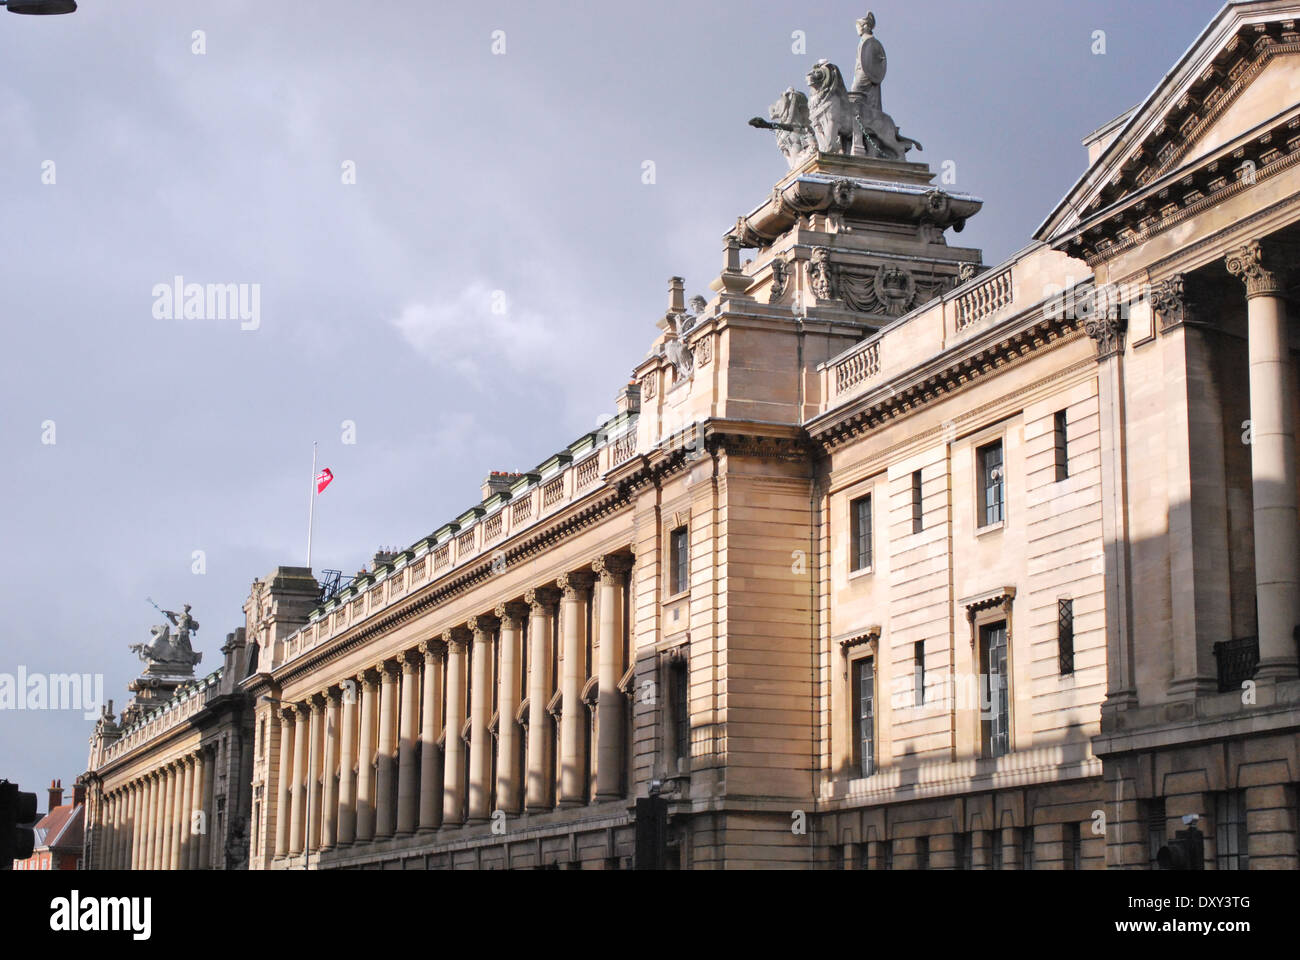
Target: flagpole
{"x": 311, "y": 506}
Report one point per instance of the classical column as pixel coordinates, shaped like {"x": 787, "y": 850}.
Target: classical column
{"x": 541, "y": 607}
{"x": 610, "y": 762}
{"x": 316, "y": 733}
{"x": 576, "y": 593}
{"x": 430, "y": 729}
{"x": 108, "y": 832}
{"x": 480, "y": 737}
{"x": 509, "y": 782}
{"x": 366, "y": 756}
{"x": 168, "y": 815}
{"x": 386, "y": 759}
{"x": 158, "y": 806}
{"x": 347, "y": 764}
{"x": 185, "y": 815}
{"x": 284, "y": 791}
{"x": 1272, "y": 457}
{"x": 133, "y": 844}
{"x": 145, "y": 852}
{"x": 453, "y": 780}
{"x": 329, "y": 791}
{"x": 408, "y": 788}
{"x": 209, "y": 804}
{"x": 133, "y": 813}
{"x": 202, "y": 816}
{"x": 301, "y": 748}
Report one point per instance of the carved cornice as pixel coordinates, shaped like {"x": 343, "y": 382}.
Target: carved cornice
{"x": 1259, "y": 267}
{"x": 870, "y": 637}
{"x": 966, "y": 363}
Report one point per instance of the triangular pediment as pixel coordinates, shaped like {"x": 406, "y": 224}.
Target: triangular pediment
{"x": 1229, "y": 109}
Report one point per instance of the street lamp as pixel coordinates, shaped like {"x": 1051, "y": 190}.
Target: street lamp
{"x": 40, "y": 8}
{"x": 306, "y": 842}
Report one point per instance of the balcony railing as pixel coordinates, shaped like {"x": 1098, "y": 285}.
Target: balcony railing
{"x": 1238, "y": 660}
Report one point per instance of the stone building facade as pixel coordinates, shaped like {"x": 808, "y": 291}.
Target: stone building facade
{"x": 167, "y": 782}
{"x": 889, "y": 559}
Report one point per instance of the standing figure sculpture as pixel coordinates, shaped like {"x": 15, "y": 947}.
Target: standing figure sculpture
{"x": 836, "y": 119}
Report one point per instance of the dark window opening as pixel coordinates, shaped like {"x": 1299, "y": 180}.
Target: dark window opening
{"x": 679, "y": 567}
{"x": 918, "y": 516}
{"x": 1065, "y": 636}
{"x": 991, "y": 484}
{"x": 1060, "y": 447}
{"x": 995, "y": 710}
{"x": 864, "y": 715}
{"x": 860, "y": 522}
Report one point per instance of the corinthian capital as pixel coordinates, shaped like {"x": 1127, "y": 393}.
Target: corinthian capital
{"x": 574, "y": 586}
{"x": 456, "y": 635}
{"x": 482, "y": 626}
{"x": 541, "y": 600}
{"x": 511, "y": 615}
{"x": 1169, "y": 300}
{"x": 1257, "y": 266}
{"x": 611, "y": 569}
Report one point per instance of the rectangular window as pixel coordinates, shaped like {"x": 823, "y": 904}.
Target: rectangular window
{"x": 864, "y": 716}
{"x": 1060, "y": 446}
{"x": 995, "y": 710}
{"x": 991, "y": 486}
{"x": 1027, "y": 848}
{"x": 995, "y": 849}
{"x": 1073, "y": 843}
{"x": 1156, "y": 827}
{"x": 1065, "y": 636}
{"x": 1230, "y": 838}
{"x": 918, "y": 673}
{"x": 860, "y": 533}
{"x": 889, "y": 854}
{"x": 679, "y": 694}
{"x": 679, "y": 568}
{"x": 918, "y": 517}
{"x": 923, "y": 853}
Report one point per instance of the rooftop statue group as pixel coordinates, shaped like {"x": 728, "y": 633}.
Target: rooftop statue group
{"x": 164, "y": 649}
{"x": 836, "y": 119}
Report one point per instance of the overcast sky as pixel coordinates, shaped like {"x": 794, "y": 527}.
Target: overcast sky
{"x": 475, "y": 172}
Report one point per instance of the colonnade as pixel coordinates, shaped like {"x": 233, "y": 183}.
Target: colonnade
{"x": 160, "y": 820}
{"x": 494, "y": 714}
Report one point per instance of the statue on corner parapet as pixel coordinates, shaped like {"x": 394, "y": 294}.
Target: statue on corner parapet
{"x": 838, "y": 120}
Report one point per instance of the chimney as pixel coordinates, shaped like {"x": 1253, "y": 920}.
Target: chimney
{"x": 56, "y": 794}
{"x": 382, "y": 556}
{"x": 497, "y": 481}
{"x": 78, "y": 793}
{"x": 676, "y": 295}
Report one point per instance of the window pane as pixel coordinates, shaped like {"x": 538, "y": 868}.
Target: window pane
{"x": 991, "y": 482}
{"x": 995, "y": 723}
{"x": 864, "y": 713}
{"x": 860, "y": 533}
{"x": 1060, "y": 444}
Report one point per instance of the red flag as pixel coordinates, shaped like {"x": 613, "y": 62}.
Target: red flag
{"x": 323, "y": 480}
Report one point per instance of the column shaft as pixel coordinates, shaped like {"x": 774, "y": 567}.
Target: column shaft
{"x": 329, "y": 792}
{"x": 347, "y": 764}
{"x": 386, "y": 759}
{"x": 540, "y": 686}
{"x": 573, "y": 617}
{"x": 480, "y": 738}
{"x": 609, "y": 705}
{"x": 509, "y": 781}
{"x": 430, "y": 730}
{"x": 453, "y": 789}
{"x": 301, "y": 747}
{"x": 314, "y": 792}
{"x": 407, "y": 786}
{"x": 365, "y": 759}
{"x": 284, "y": 791}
